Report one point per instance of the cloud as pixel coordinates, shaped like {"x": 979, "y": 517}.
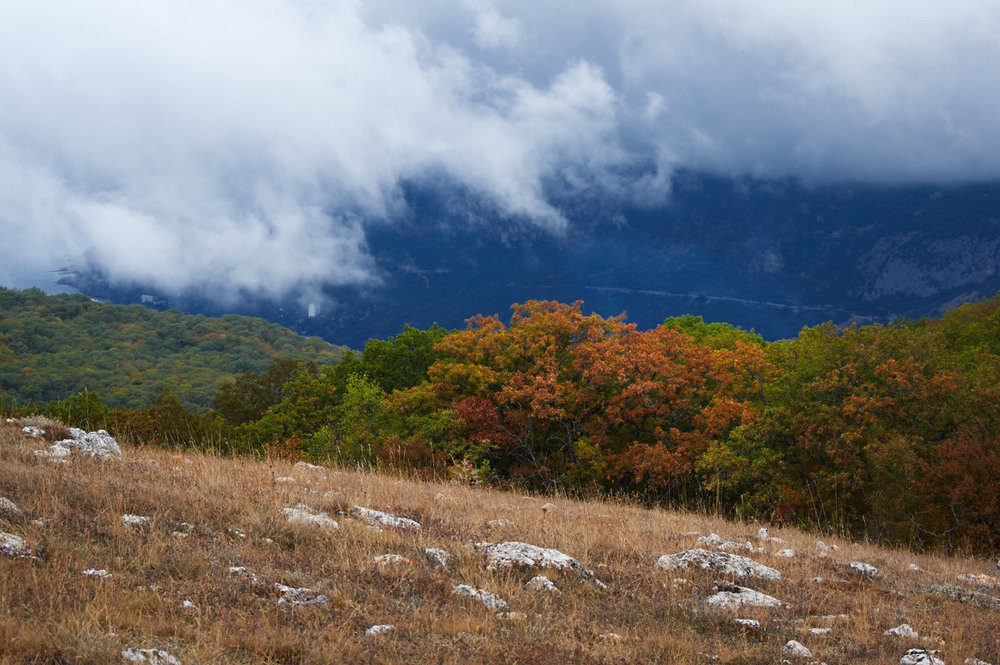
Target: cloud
{"x": 245, "y": 146}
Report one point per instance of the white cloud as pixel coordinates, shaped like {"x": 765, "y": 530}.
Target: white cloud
{"x": 245, "y": 145}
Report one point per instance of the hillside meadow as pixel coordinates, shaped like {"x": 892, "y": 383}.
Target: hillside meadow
{"x": 218, "y": 573}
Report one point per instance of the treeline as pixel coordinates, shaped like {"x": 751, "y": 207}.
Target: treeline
{"x": 889, "y": 432}
{"x": 53, "y": 347}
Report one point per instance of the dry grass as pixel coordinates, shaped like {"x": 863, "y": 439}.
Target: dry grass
{"x": 51, "y": 613}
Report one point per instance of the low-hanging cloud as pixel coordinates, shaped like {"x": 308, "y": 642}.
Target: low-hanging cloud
{"x": 243, "y": 146}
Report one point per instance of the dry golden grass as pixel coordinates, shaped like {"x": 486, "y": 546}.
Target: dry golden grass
{"x": 51, "y": 613}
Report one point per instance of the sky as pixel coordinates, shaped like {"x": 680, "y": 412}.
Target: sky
{"x": 245, "y": 146}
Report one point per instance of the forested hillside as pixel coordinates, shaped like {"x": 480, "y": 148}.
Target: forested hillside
{"x": 52, "y": 347}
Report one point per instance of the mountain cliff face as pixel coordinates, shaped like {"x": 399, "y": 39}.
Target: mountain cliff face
{"x": 772, "y": 256}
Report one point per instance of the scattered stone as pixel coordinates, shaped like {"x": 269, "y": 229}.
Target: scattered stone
{"x": 239, "y": 533}
{"x": 498, "y": 523}
{"x": 97, "y": 444}
{"x": 8, "y": 508}
{"x": 12, "y": 545}
{"x": 975, "y": 661}
{"x": 380, "y": 519}
{"x": 99, "y": 574}
{"x": 762, "y": 535}
{"x": 787, "y": 553}
{"x": 189, "y": 606}
{"x": 691, "y": 534}
{"x": 979, "y": 578}
{"x": 863, "y": 569}
{"x": 720, "y": 562}
{"x": 183, "y": 530}
{"x": 915, "y": 568}
{"x": 820, "y": 631}
{"x": 303, "y": 514}
{"x": 42, "y": 521}
{"x": 793, "y": 649}
{"x": 514, "y": 553}
{"x": 151, "y": 656}
{"x": 921, "y": 657}
{"x": 135, "y": 521}
{"x": 817, "y": 580}
{"x": 240, "y": 571}
{"x": 963, "y": 595}
{"x": 542, "y": 583}
{"x": 387, "y": 559}
{"x": 732, "y": 597}
{"x": 33, "y": 432}
{"x": 513, "y": 616}
{"x": 306, "y": 466}
{"x": 825, "y": 549}
{"x": 438, "y": 556}
{"x": 380, "y": 629}
{"x": 548, "y": 507}
{"x": 55, "y": 453}
{"x": 720, "y": 543}
{"x": 298, "y": 596}
{"x": 747, "y": 623}
{"x": 489, "y": 600}
{"x": 610, "y": 637}
{"x": 285, "y": 479}
{"x": 904, "y": 631}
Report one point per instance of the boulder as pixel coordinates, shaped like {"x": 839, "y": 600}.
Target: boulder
{"x": 303, "y": 514}
{"x": 793, "y": 649}
{"x": 150, "y": 656}
{"x": 921, "y": 657}
{"x": 719, "y": 562}
{"x": 379, "y": 519}
{"x": 733, "y": 597}
{"x": 513, "y": 553}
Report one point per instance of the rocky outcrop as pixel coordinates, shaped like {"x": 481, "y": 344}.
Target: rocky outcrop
{"x": 722, "y": 563}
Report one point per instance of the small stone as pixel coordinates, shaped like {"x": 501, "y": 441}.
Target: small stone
{"x": 189, "y": 606}
{"x": 787, "y": 553}
{"x": 732, "y": 597}
{"x": 489, "y": 600}
{"x": 12, "y": 545}
{"x": 752, "y": 624}
{"x": 975, "y": 661}
{"x": 915, "y": 568}
{"x": 921, "y": 657}
{"x": 9, "y": 508}
{"x": 610, "y": 637}
{"x": 762, "y": 533}
{"x": 135, "y": 521}
{"x": 240, "y": 571}
{"x": 389, "y": 559}
{"x": 380, "y": 629}
{"x": 903, "y": 630}
{"x": 498, "y": 523}
{"x": 306, "y": 466}
{"x": 233, "y": 531}
{"x": 863, "y": 569}
{"x": 379, "y": 519}
{"x": 438, "y": 557}
{"x": 298, "y": 596}
{"x": 303, "y": 514}
{"x": 99, "y": 574}
{"x": 548, "y": 507}
{"x": 285, "y": 479}
{"x": 793, "y": 649}
{"x": 513, "y": 616}
{"x": 541, "y": 583}
{"x": 820, "y": 631}
{"x": 151, "y": 656}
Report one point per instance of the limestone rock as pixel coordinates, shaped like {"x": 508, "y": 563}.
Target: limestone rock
{"x": 151, "y": 656}
{"x": 8, "y": 508}
{"x": 513, "y": 553}
{"x": 904, "y": 630}
{"x": 298, "y": 596}
{"x": 921, "y": 657}
{"x": 489, "y": 600}
{"x": 863, "y": 569}
{"x": 732, "y": 597}
{"x": 99, "y": 574}
{"x": 541, "y": 583}
{"x": 12, "y": 545}
{"x": 720, "y": 562}
{"x": 438, "y": 556}
{"x": 379, "y": 519}
{"x": 380, "y": 629}
{"x": 303, "y": 514}
{"x": 793, "y": 649}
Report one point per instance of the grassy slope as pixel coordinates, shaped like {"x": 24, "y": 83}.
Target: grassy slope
{"x": 52, "y": 347}
{"x": 53, "y": 614}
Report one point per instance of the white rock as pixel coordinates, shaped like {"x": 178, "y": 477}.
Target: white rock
{"x": 498, "y": 523}
{"x": 135, "y": 521}
{"x": 825, "y": 549}
{"x": 762, "y": 534}
{"x": 541, "y": 583}
{"x": 151, "y": 656}
{"x": 903, "y": 630}
{"x": 239, "y": 533}
{"x": 610, "y": 637}
{"x": 787, "y": 553}
{"x": 489, "y": 600}
{"x": 387, "y": 559}
{"x": 99, "y": 574}
{"x": 720, "y": 562}
{"x": 915, "y": 568}
{"x": 298, "y": 596}
{"x": 33, "y": 432}
{"x": 863, "y": 569}
{"x": 548, "y": 507}
{"x": 380, "y": 519}
{"x": 513, "y": 616}
{"x": 921, "y": 657}
{"x": 793, "y": 649}
{"x": 12, "y": 545}
{"x": 975, "y": 661}
{"x": 97, "y": 444}
{"x": 438, "y": 556}
{"x": 513, "y": 553}
{"x": 285, "y": 479}
{"x": 748, "y": 623}
{"x": 732, "y": 597}
{"x": 55, "y": 452}
{"x": 188, "y": 605}
{"x": 718, "y": 542}
{"x": 240, "y": 571}
{"x": 820, "y": 631}
{"x": 303, "y": 514}
{"x": 309, "y": 467}
{"x": 380, "y": 629}
{"x": 8, "y": 507}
